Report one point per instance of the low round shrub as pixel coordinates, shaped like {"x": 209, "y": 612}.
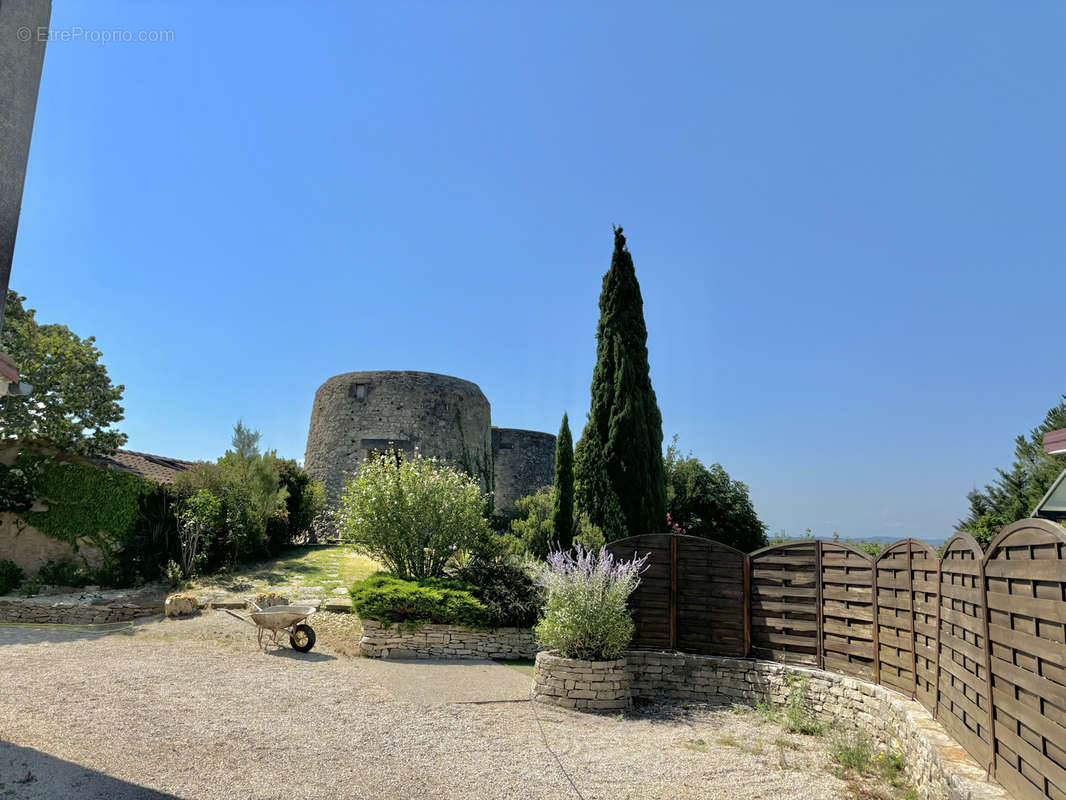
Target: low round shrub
{"x": 510, "y": 597}
{"x": 388, "y": 599}
{"x": 585, "y": 612}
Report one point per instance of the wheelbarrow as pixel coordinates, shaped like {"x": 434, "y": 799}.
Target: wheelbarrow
{"x": 276, "y": 619}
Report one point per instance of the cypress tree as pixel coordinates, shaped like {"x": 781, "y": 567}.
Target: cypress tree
{"x": 563, "y": 511}
{"x": 620, "y": 481}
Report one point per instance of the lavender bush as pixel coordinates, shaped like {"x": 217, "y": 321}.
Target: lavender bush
{"x": 585, "y": 613}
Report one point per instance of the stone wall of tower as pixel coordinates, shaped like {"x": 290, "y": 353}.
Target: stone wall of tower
{"x": 524, "y": 462}
{"x": 359, "y": 412}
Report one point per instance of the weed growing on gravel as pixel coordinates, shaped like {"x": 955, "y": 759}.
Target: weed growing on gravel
{"x": 797, "y": 716}
{"x": 766, "y": 711}
{"x": 870, "y": 774}
{"x": 854, "y": 753}
{"x": 732, "y": 741}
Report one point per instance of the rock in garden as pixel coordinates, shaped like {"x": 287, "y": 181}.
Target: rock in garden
{"x": 180, "y": 605}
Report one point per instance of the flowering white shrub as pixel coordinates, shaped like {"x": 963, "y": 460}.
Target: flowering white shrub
{"x": 413, "y": 514}
{"x": 585, "y": 613}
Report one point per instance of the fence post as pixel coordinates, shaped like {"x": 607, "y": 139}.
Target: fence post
{"x": 747, "y": 605}
{"x": 990, "y": 770}
{"x": 673, "y": 592}
{"x": 910, "y": 605}
{"x": 877, "y": 626}
{"x": 818, "y": 602}
{"x": 936, "y": 650}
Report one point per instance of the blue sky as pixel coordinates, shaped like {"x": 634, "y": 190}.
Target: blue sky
{"x": 844, "y": 218}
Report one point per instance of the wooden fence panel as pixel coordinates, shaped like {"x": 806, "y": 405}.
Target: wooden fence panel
{"x": 847, "y": 610}
{"x": 651, "y": 602}
{"x": 895, "y": 618}
{"x": 924, "y": 567}
{"x": 980, "y": 641}
{"x": 962, "y": 705}
{"x": 1025, "y": 582}
{"x": 785, "y": 590}
{"x": 710, "y": 597}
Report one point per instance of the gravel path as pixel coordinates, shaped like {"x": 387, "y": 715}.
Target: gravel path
{"x": 191, "y": 709}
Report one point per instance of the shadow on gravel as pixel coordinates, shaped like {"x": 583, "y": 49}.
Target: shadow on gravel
{"x": 28, "y": 774}
{"x": 296, "y": 656}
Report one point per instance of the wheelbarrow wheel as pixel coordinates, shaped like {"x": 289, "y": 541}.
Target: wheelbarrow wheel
{"x": 302, "y": 638}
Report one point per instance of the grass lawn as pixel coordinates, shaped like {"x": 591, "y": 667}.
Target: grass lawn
{"x": 521, "y": 664}
{"x": 302, "y": 573}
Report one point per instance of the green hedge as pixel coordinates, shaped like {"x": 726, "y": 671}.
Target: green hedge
{"x": 388, "y": 599}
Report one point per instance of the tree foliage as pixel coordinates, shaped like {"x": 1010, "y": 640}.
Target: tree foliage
{"x": 706, "y": 502}
{"x": 305, "y": 499}
{"x": 1015, "y": 492}
{"x": 563, "y": 509}
{"x": 414, "y": 515}
{"x": 618, "y": 466}
{"x": 533, "y": 529}
{"x": 74, "y": 404}
{"x": 231, "y": 503}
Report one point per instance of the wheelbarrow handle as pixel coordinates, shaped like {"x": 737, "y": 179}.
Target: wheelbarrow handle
{"x": 238, "y": 616}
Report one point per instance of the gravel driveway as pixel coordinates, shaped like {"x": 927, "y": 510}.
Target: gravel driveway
{"x": 191, "y": 709}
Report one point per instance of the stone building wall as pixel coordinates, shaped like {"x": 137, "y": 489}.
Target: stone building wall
{"x": 939, "y": 768}
{"x": 359, "y": 412}
{"x": 445, "y": 641}
{"x": 21, "y": 62}
{"x": 30, "y": 549}
{"x": 524, "y": 462}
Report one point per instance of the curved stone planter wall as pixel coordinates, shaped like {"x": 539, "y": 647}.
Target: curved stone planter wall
{"x": 581, "y": 685}
{"x": 939, "y": 768}
{"x": 445, "y": 641}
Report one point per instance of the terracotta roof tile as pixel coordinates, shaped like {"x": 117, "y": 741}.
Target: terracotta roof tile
{"x": 156, "y": 468}
{"x": 8, "y": 370}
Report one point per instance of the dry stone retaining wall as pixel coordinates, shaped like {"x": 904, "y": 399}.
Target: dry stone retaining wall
{"x": 445, "y": 641}
{"x": 71, "y": 613}
{"x": 939, "y": 768}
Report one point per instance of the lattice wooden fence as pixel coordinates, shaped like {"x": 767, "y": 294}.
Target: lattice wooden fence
{"x": 1025, "y": 583}
{"x": 935, "y": 629}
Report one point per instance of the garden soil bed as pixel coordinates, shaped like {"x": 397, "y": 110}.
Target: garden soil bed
{"x": 192, "y": 709}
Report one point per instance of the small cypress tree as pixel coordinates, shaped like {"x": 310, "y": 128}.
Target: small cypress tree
{"x": 620, "y": 481}
{"x": 563, "y": 511}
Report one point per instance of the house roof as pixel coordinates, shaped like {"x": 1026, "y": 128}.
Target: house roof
{"x": 156, "y": 468}
{"x": 8, "y": 370}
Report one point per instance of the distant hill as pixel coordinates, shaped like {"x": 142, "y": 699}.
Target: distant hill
{"x": 887, "y": 540}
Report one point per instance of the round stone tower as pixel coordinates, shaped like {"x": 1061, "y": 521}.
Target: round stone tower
{"x": 362, "y": 412}
{"x": 525, "y": 461}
